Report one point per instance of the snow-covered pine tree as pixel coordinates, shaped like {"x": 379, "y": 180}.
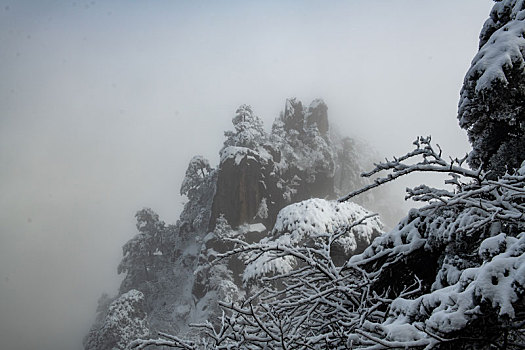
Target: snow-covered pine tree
{"x": 249, "y": 130}
{"x": 198, "y": 170}
{"x": 142, "y": 253}
{"x": 199, "y": 186}
{"x": 492, "y": 107}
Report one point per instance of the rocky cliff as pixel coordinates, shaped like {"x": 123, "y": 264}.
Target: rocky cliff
{"x": 259, "y": 174}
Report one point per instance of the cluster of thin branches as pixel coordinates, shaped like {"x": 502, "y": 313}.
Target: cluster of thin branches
{"x": 315, "y": 305}
{"x": 321, "y": 305}
{"x": 500, "y": 200}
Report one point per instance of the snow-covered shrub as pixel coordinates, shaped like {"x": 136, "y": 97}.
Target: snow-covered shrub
{"x": 310, "y": 223}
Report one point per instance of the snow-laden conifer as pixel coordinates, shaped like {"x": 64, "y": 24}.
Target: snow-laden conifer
{"x": 491, "y": 107}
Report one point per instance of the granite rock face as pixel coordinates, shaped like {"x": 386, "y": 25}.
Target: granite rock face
{"x": 240, "y": 189}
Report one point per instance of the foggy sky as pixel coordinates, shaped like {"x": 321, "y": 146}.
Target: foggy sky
{"x": 102, "y": 104}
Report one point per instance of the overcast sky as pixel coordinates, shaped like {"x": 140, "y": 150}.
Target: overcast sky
{"x": 103, "y": 103}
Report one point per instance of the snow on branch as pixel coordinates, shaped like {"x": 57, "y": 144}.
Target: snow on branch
{"x": 317, "y": 297}
{"x": 432, "y": 162}
{"x": 165, "y": 339}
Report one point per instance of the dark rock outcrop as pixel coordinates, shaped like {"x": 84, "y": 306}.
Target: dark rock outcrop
{"x": 298, "y": 164}
{"x": 240, "y": 189}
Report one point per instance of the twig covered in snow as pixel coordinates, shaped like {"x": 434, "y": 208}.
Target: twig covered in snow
{"x": 432, "y": 162}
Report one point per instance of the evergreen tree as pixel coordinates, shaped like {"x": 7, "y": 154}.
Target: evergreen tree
{"x": 249, "y": 130}
{"x": 140, "y": 254}
{"x": 124, "y": 320}
{"x": 492, "y": 107}
{"x": 198, "y": 170}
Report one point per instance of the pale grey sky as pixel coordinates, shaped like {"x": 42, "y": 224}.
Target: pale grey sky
{"x": 102, "y": 104}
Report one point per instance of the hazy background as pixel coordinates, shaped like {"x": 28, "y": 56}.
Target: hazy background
{"x": 102, "y": 104}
